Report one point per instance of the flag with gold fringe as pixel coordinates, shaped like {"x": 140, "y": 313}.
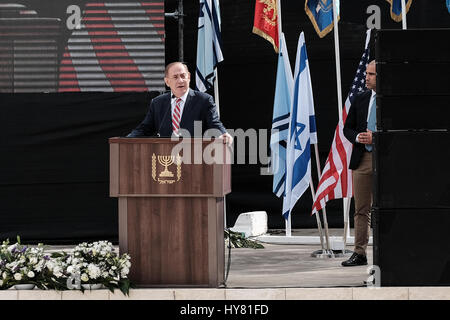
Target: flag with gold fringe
{"x": 266, "y": 21}
{"x": 320, "y": 12}
{"x": 396, "y": 8}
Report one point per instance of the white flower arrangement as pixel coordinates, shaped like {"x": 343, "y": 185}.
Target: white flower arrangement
{"x": 89, "y": 263}
{"x": 98, "y": 263}
{"x": 21, "y": 264}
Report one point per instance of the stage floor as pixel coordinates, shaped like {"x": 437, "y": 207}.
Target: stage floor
{"x": 291, "y": 266}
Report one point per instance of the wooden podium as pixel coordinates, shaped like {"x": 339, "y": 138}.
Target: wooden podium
{"x": 171, "y": 218}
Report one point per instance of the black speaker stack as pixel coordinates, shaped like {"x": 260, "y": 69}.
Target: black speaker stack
{"x": 411, "y": 196}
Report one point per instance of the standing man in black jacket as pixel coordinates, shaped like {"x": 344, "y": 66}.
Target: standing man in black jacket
{"x": 358, "y": 128}
{"x": 178, "y": 109}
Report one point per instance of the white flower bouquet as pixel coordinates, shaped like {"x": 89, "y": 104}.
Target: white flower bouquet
{"x": 21, "y": 264}
{"x": 98, "y": 263}
{"x": 89, "y": 263}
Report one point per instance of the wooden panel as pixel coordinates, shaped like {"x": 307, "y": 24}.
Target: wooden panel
{"x": 123, "y": 222}
{"x": 113, "y": 170}
{"x": 173, "y": 231}
{"x": 219, "y": 241}
{"x": 227, "y": 172}
{"x": 168, "y": 241}
{"x": 142, "y": 172}
{"x": 212, "y": 245}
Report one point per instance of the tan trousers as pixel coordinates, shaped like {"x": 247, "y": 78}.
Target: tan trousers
{"x": 362, "y": 184}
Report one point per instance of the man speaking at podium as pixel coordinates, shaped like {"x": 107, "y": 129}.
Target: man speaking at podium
{"x": 170, "y": 112}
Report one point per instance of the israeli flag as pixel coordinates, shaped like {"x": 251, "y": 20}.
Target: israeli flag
{"x": 209, "y": 44}
{"x": 280, "y": 119}
{"x": 302, "y": 132}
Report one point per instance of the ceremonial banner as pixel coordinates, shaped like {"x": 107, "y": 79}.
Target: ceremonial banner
{"x": 396, "y": 9}
{"x": 266, "y": 21}
{"x": 321, "y": 14}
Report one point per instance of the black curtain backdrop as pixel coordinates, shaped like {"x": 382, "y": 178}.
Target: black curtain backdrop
{"x": 54, "y": 164}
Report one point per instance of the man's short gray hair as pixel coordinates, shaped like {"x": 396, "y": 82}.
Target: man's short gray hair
{"x": 166, "y": 72}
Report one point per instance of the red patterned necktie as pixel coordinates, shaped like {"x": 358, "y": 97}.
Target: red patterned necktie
{"x": 176, "y": 117}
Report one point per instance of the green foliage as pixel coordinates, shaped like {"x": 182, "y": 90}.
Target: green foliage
{"x": 238, "y": 240}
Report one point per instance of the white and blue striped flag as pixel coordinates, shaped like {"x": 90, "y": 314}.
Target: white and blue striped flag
{"x": 280, "y": 119}
{"x": 302, "y": 132}
{"x": 209, "y": 44}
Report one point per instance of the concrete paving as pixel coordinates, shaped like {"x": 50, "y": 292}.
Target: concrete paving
{"x": 291, "y": 266}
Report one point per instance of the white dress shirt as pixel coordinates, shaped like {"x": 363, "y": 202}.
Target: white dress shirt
{"x": 174, "y": 100}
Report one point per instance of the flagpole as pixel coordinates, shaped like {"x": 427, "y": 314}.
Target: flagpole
{"x": 216, "y": 90}
{"x": 404, "y": 15}
{"x": 319, "y": 224}
{"x": 279, "y": 22}
{"x": 288, "y": 225}
{"x": 217, "y": 102}
{"x": 338, "y": 59}
{"x": 325, "y": 220}
{"x": 339, "y": 94}
{"x": 288, "y": 222}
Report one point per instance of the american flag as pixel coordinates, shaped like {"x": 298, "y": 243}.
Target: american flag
{"x": 336, "y": 179}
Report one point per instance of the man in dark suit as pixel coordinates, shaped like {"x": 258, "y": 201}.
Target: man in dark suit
{"x": 358, "y": 128}
{"x": 178, "y": 111}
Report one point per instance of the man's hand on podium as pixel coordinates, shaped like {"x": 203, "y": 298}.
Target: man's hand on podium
{"x": 227, "y": 138}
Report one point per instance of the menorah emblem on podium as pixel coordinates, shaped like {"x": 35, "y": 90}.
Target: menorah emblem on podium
{"x": 166, "y": 161}
{"x": 166, "y": 176}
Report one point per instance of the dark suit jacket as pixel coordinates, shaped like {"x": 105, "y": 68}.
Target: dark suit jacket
{"x": 199, "y": 106}
{"x": 355, "y": 123}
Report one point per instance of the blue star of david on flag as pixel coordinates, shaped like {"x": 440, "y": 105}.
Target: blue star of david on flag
{"x": 302, "y": 132}
{"x": 280, "y": 118}
{"x": 298, "y": 131}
